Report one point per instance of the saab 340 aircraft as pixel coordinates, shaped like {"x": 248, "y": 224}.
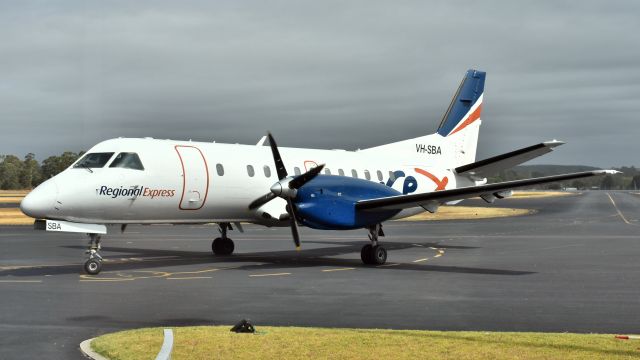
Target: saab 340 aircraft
{"x": 151, "y": 181}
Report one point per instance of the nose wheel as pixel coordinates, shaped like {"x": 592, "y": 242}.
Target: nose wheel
{"x": 93, "y": 265}
{"x": 223, "y": 245}
{"x": 374, "y": 254}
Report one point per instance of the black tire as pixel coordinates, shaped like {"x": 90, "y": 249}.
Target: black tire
{"x": 222, "y": 246}
{"x": 215, "y": 244}
{"x": 378, "y": 255}
{"x": 93, "y": 266}
{"x": 365, "y": 254}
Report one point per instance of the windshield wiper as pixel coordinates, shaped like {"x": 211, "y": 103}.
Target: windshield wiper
{"x": 85, "y": 166}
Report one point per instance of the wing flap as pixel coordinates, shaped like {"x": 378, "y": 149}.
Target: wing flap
{"x": 508, "y": 160}
{"x": 497, "y": 190}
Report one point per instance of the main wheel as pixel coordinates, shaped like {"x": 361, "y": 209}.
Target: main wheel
{"x": 221, "y": 246}
{"x": 378, "y": 255}
{"x": 93, "y": 266}
{"x": 365, "y": 254}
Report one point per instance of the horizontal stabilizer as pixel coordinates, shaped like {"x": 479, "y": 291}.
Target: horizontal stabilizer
{"x": 493, "y": 165}
{"x": 497, "y": 190}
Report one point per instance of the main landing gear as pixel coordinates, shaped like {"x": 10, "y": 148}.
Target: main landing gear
{"x": 374, "y": 254}
{"x": 94, "y": 264}
{"x": 223, "y": 245}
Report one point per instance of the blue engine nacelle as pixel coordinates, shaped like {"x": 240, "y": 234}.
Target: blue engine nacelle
{"x": 328, "y": 202}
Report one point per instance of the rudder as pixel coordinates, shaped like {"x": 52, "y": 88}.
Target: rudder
{"x": 466, "y": 105}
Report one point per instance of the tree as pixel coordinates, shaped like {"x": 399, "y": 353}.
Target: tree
{"x": 578, "y": 184}
{"x": 607, "y": 183}
{"x": 10, "y": 169}
{"x": 53, "y": 165}
{"x": 635, "y": 183}
{"x": 30, "y": 173}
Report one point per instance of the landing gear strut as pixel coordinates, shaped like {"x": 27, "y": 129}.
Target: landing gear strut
{"x": 223, "y": 245}
{"x": 374, "y": 254}
{"x": 94, "y": 264}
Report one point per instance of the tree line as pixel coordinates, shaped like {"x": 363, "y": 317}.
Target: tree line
{"x": 27, "y": 173}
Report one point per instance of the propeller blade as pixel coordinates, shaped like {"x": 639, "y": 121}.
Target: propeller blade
{"x": 282, "y": 172}
{"x": 262, "y": 200}
{"x": 300, "y": 180}
{"x": 294, "y": 224}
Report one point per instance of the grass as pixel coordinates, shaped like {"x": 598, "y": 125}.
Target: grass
{"x": 468, "y": 212}
{"x": 218, "y": 342}
{"x": 11, "y": 199}
{"x": 540, "y": 194}
{"x": 13, "y": 216}
{"x": 21, "y": 193}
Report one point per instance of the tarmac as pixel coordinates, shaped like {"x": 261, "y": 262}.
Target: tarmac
{"x": 572, "y": 266}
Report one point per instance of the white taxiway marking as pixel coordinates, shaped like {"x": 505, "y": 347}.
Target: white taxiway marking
{"x": 20, "y": 281}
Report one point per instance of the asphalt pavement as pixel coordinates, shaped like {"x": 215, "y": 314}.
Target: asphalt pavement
{"x": 572, "y": 266}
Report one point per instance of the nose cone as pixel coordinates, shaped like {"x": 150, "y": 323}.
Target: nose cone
{"x": 41, "y": 200}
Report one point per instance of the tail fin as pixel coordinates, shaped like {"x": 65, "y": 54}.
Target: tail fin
{"x": 466, "y": 104}
{"x": 455, "y": 142}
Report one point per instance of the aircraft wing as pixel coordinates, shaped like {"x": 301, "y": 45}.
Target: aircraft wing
{"x": 433, "y": 199}
{"x": 494, "y": 164}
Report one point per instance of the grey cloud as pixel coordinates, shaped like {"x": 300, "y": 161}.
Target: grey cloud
{"x": 319, "y": 74}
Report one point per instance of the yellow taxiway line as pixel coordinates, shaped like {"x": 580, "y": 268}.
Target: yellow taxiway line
{"x": 274, "y": 274}
{"x": 338, "y": 269}
{"x": 618, "y": 210}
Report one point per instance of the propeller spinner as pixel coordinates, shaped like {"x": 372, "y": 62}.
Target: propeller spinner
{"x": 286, "y": 188}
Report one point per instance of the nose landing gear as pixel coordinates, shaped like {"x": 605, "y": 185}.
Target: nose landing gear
{"x": 94, "y": 264}
{"x": 223, "y": 245}
{"x": 374, "y": 254}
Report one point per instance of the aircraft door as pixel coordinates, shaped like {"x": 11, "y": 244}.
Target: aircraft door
{"x": 195, "y": 177}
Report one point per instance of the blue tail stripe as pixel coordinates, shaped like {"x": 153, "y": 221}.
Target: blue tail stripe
{"x": 469, "y": 91}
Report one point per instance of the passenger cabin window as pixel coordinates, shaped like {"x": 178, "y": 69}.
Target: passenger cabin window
{"x": 220, "y": 169}
{"x": 250, "y": 171}
{"x": 127, "y": 160}
{"x": 93, "y": 160}
{"x": 296, "y": 170}
{"x": 327, "y": 171}
{"x": 354, "y": 173}
{"x": 267, "y": 171}
{"x": 340, "y": 172}
{"x": 379, "y": 173}
{"x": 367, "y": 175}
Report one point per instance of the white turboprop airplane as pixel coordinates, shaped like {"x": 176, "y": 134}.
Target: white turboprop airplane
{"x": 150, "y": 181}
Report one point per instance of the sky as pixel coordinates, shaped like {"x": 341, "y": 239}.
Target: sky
{"x": 320, "y": 74}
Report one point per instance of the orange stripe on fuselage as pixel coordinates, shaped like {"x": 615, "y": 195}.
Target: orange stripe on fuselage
{"x": 475, "y": 115}
{"x": 440, "y": 184}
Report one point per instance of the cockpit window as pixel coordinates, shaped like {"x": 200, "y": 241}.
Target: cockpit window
{"x": 93, "y": 160}
{"x": 127, "y": 160}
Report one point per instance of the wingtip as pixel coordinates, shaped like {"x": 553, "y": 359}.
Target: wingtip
{"x": 554, "y": 143}
{"x": 608, "y": 172}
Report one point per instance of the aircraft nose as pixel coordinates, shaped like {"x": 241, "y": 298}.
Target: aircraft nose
{"x": 40, "y": 201}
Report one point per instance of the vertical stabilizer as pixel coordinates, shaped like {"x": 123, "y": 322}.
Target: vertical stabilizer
{"x": 454, "y": 144}
{"x": 466, "y": 104}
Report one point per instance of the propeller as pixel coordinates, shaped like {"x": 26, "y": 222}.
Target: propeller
{"x": 286, "y": 188}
